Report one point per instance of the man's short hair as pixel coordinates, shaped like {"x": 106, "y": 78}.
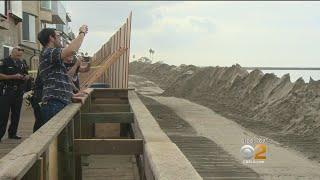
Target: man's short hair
{"x": 44, "y": 35}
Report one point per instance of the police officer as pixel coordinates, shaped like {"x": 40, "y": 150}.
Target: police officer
{"x": 13, "y": 74}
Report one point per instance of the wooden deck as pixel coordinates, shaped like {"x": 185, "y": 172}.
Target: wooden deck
{"x": 71, "y": 146}
{"x": 110, "y": 167}
{"x": 95, "y": 167}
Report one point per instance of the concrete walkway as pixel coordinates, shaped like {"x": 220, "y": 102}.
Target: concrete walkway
{"x": 281, "y": 163}
{"x": 208, "y": 158}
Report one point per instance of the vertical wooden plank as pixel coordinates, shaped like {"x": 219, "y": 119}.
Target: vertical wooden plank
{"x": 42, "y": 167}
{"x": 125, "y": 54}
{"x": 65, "y": 153}
{"x": 106, "y": 55}
{"x": 90, "y": 126}
{"x": 113, "y": 66}
{"x": 77, "y": 126}
{"x": 120, "y": 59}
{"x": 45, "y": 165}
{"x": 78, "y": 168}
{"x": 116, "y": 63}
{"x": 63, "y": 171}
{"x": 128, "y": 46}
{"x": 71, "y": 149}
{"x": 109, "y": 69}
{"x": 53, "y": 160}
{"x": 77, "y": 158}
{"x": 122, "y": 78}
{"x": 103, "y": 51}
{"x": 86, "y": 128}
{"x": 35, "y": 171}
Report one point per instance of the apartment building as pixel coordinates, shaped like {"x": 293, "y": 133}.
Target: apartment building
{"x": 21, "y": 21}
{"x": 10, "y": 25}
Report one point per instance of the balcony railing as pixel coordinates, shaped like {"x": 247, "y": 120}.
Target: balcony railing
{"x": 45, "y": 4}
{"x": 68, "y": 17}
{"x": 58, "y": 13}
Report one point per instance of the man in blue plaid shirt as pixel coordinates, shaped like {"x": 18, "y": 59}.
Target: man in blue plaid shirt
{"x": 56, "y": 86}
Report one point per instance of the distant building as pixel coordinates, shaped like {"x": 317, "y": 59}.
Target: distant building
{"x": 21, "y": 21}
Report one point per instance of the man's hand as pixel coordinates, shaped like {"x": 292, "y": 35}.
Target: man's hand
{"x": 84, "y": 91}
{"x": 83, "y": 28}
{"x": 78, "y": 62}
{"x": 16, "y": 76}
{"x": 26, "y": 77}
{"x": 78, "y": 98}
{"x": 79, "y": 94}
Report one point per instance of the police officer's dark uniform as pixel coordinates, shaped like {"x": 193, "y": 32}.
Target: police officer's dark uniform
{"x": 11, "y": 95}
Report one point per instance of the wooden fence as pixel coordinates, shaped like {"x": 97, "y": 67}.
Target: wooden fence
{"x": 117, "y": 74}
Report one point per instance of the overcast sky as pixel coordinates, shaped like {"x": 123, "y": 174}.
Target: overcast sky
{"x": 209, "y": 33}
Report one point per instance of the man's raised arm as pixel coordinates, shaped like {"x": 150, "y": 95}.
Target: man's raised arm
{"x": 75, "y": 44}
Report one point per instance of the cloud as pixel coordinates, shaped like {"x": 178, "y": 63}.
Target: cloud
{"x": 209, "y": 33}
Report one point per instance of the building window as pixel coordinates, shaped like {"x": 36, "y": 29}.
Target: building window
{"x": 2, "y": 8}
{"x": 51, "y": 26}
{"x": 16, "y": 9}
{"x": 60, "y": 27}
{"x": 29, "y": 27}
{"x": 46, "y": 4}
{"x": 43, "y": 25}
{"x": 6, "y": 51}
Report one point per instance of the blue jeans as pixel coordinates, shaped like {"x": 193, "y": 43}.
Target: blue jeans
{"x": 50, "y": 109}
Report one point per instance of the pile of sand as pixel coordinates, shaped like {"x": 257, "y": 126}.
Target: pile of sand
{"x": 285, "y": 107}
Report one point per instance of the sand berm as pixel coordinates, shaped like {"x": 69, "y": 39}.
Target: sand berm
{"x": 288, "y": 112}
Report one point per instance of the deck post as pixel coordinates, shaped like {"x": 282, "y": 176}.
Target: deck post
{"x": 35, "y": 172}
{"x": 77, "y": 157}
{"x": 84, "y": 134}
{"x": 86, "y": 128}
{"x": 45, "y": 165}
{"x": 77, "y": 125}
{"x": 65, "y": 153}
{"x": 86, "y": 131}
{"x": 71, "y": 149}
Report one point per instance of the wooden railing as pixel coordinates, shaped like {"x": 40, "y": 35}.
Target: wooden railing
{"x": 59, "y": 148}
{"x": 52, "y": 142}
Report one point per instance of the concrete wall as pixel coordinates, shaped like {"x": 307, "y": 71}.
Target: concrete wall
{"x": 162, "y": 158}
